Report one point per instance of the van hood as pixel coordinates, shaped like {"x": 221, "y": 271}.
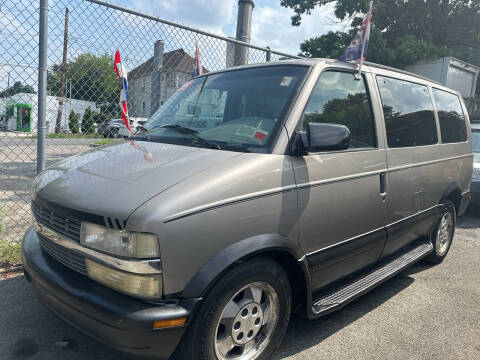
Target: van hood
{"x": 115, "y": 180}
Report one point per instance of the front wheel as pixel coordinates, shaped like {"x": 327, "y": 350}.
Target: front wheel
{"x": 243, "y": 317}
{"x": 442, "y": 235}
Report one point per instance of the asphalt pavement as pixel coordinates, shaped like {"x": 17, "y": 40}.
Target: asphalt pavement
{"x": 426, "y": 312}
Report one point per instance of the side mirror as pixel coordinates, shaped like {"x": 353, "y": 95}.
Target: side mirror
{"x": 325, "y": 137}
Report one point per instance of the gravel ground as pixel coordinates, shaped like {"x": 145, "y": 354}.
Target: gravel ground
{"x": 423, "y": 313}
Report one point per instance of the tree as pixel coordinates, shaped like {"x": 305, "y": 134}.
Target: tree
{"x": 403, "y": 32}
{"x": 87, "y": 122}
{"x": 93, "y": 79}
{"x": 99, "y": 117}
{"x": 73, "y": 122}
{"x": 17, "y": 88}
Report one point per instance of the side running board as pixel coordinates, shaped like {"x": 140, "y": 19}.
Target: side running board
{"x": 336, "y": 298}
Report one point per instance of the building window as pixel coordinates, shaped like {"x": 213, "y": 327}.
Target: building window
{"x": 171, "y": 80}
{"x": 143, "y": 107}
{"x": 162, "y": 77}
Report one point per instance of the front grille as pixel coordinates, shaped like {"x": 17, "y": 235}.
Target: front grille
{"x": 63, "y": 255}
{"x": 68, "y": 227}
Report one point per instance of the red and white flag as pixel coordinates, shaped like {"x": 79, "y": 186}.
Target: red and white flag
{"x": 197, "y": 63}
{"x": 122, "y": 75}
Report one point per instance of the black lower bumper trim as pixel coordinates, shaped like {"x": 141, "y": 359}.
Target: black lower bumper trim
{"x": 109, "y": 317}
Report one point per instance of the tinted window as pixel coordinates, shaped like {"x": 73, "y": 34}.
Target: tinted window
{"x": 340, "y": 99}
{"x": 450, "y": 115}
{"x": 476, "y": 140}
{"x": 408, "y": 112}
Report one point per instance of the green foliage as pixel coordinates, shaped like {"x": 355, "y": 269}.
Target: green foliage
{"x": 403, "y": 32}
{"x": 73, "y": 122}
{"x": 17, "y": 88}
{"x": 87, "y": 122}
{"x": 99, "y": 117}
{"x": 10, "y": 253}
{"x": 72, "y": 136}
{"x": 103, "y": 142}
{"x": 93, "y": 79}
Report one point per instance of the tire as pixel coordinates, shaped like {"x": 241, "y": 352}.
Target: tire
{"x": 443, "y": 232}
{"x": 232, "y": 314}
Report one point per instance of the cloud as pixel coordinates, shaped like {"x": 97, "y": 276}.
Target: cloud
{"x": 271, "y": 26}
{"x": 209, "y": 15}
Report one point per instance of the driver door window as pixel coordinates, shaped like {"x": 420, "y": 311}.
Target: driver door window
{"x": 338, "y": 98}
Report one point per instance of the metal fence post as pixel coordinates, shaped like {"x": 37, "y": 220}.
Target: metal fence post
{"x": 42, "y": 84}
{"x": 269, "y": 54}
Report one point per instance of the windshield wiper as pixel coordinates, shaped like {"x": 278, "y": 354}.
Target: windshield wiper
{"x": 193, "y": 133}
{"x": 235, "y": 147}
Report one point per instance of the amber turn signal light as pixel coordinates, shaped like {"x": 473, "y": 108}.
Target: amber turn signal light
{"x": 161, "y": 324}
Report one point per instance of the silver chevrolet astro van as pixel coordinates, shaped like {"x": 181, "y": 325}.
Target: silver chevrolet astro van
{"x": 251, "y": 193}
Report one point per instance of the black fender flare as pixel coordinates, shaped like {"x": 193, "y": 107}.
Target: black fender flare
{"x": 201, "y": 282}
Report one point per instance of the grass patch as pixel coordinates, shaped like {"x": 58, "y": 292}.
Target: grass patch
{"x": 73, "y": 136}
{"x": 69, "y": 136}
{"x": 10, "y": 253}
{"x": 103, "y": 142}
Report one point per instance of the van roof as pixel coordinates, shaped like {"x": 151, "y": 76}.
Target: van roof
{"x": 341, "y": 64}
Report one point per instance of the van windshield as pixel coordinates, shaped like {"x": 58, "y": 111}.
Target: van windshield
{"x": 240, "y": 110}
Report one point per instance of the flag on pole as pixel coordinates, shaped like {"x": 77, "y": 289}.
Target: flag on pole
{"x": 357, "y": 50}
{"x": 197, "y": 63}
{"x": 122, "y": 75}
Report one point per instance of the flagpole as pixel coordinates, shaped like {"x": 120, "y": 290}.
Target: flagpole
{"x": 367, "y": 33}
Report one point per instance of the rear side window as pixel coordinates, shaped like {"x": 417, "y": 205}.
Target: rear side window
{"x": 408, "y": 113}
{"x": 340, "y": 99}
{"x": 451, "y": 117}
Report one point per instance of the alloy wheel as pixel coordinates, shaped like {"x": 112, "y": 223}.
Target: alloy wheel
{"x": 444, "y": 233}
{"x": 247, "y": 323}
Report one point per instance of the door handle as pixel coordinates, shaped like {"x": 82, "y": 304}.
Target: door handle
{"x": 383, "y": 185}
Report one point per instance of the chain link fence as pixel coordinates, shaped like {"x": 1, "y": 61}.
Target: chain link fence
{"x": 82, "y": 88}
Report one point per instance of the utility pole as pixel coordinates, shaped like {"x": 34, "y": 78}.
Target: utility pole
{"x": 58, "y": 124}
{"x": 244, "y": 22}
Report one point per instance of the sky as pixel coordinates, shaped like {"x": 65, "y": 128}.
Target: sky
{"x": 271, "y": 24}
{"x": 99, "y": 30}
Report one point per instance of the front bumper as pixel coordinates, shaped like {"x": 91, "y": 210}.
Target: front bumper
{"x": 117, "y": 320}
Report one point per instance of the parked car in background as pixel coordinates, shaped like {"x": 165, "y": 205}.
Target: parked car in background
{"x": 110, "y": 128}
{"x": 201, "y": 235}
{"x": 475, "y": 188}
{"x": 134, "y": 124}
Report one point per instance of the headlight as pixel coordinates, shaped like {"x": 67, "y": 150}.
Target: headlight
{"x": 476, "y": 173}
{"x": 144, "y": 286}
{"x": 119, "y": 242}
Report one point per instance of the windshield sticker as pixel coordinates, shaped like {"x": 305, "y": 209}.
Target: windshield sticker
{"x": 185, "y": 86}
{"x": 286, "y": 80}
{"x": 260, "y": 135}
